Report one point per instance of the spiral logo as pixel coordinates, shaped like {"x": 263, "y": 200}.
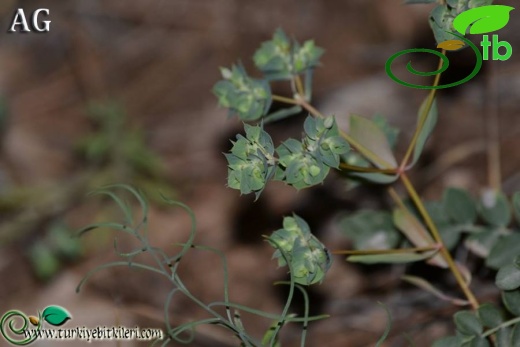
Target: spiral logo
{"x": 444, "y": 66}
{"x": 14, "y": 332}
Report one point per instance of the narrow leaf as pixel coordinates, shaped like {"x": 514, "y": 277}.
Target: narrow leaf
{"x": 282, "y": 114}
{"x": 416, "y": 234}
{"x": 427, "y": 286}
{"x": 391, "y": 258}
{"x": 427, "y": 128}
{"x": 375, "y": 177}
{"x": 388, "y": 326}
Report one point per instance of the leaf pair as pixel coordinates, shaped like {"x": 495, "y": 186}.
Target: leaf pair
{"x": 252, "y": 163}
{"x": 471, "y": 328}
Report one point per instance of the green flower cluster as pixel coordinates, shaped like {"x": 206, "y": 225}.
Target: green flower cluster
{"x": 307, "y": 163}
{"x": 249, "y": 98}
{"x": 251, "y": 162}
{"x": 279, "y": 59}
{"x": 308, "y": 257}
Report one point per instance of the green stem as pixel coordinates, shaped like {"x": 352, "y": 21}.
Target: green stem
{"x": 284, "y": 99}
{"x": 501, "y": 326}
{"x": 299, "y": 86}
{"x": 437, "y": 237}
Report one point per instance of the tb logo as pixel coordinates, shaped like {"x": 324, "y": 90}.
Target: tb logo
{"x": 479, "y": 20}
{"x": 486, "y": 19}
{"x": 35, "y": 24}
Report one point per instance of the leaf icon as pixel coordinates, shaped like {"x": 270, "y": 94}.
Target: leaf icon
{"x": 482, "y": 20}
{"x": 451, "y": 45}
{"x": 56, "y": 315}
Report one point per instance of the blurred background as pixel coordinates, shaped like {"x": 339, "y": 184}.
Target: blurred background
{"x": 120, "y": 92}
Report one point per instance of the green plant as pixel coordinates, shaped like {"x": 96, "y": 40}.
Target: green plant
{"x": 167, "y": 266}
{"x": 413, "y": 231}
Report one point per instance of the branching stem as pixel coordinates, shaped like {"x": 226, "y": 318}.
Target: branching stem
{"x": 437, "y": 237}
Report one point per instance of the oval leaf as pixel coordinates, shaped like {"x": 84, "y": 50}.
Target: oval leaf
{"x": 515, "y": 336}
{"x": 56, "y": 315}
{"x": 516, "y": 205}
{"x": 511, "y": 300}
{"x": 459, "y": 206}
{"x": 371, "y": 230}
{"x": 504, "y": 251}
{"x": 495, "y": 209}
{"x": 481, "y": 243}
{"x": 482, "y": 20}
{"x": 490, "y": 315}
{"x": 508, "y": 277}
{"x": 449, "y": 341}
{"x": 479, "y": 342}
{"x": 467, "y": 323}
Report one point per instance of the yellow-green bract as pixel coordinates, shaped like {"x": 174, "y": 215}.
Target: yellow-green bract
{"x": 281, "y": 59}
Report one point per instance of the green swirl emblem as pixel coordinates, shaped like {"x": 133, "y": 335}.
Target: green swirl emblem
{"x": 15, "y": 333}
{"x": 444, "y": 67}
